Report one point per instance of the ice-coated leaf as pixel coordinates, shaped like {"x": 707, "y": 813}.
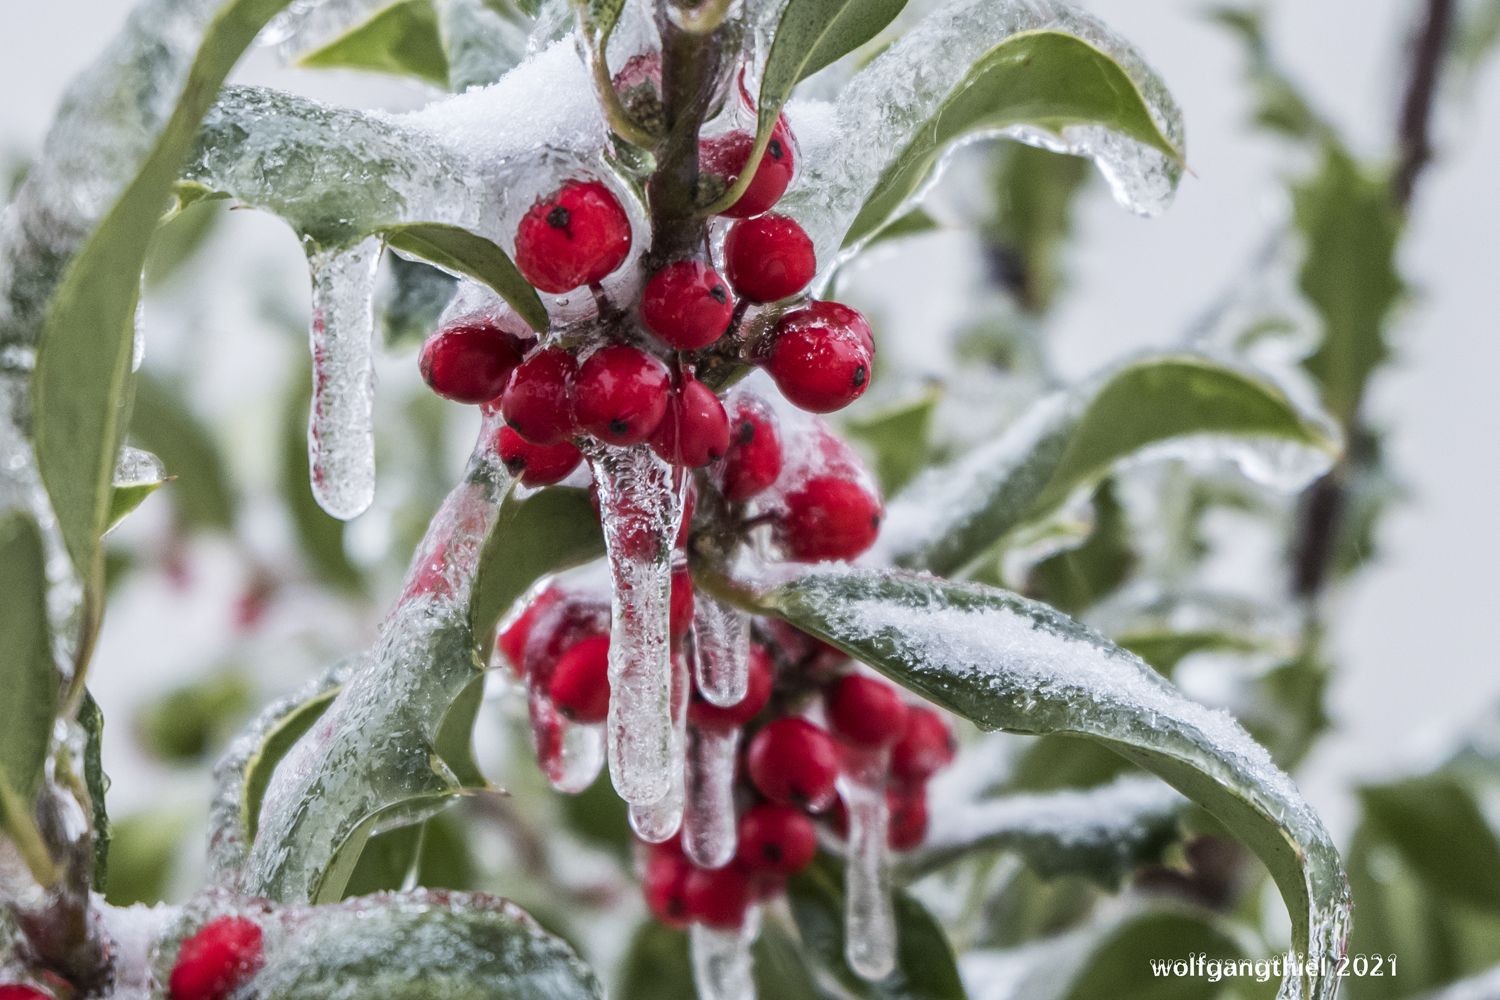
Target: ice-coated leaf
{"x": 462, "y": 252}
{"x": 1070, "y": 440}
{"x": 547, "y": 532}
{"x": 200, "y": 493}
{"x": 898, "y": 435}
{"x": 925, "y": 967}
{"x": 1007, "y": 663}
{"x": 137, "y": 475}
{"x": 28, "y": 676}
{"x": 402, "y": 39}
{"x": 1038, "y": 71}
{"x": 1101, "y": 833}
{"x": 1348, "y": 273}
{"x": 415, "y": 946}
{"x": 79, "y": 236}
{"x": 276, "y": 740}
{"x": 91, "y": 719}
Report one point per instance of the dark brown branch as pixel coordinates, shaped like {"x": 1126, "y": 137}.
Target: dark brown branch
{"x": 1414, "y": 134}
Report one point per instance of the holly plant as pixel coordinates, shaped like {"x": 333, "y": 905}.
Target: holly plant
{"x": 874, "y": 705}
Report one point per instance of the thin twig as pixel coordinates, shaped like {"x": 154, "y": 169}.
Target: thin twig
{"x": 1414, "y": 131}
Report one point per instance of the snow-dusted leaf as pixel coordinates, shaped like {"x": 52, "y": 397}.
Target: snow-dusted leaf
{"x": 27, "y": 674}
{"x": 1040, "y": 72}
{"x": 1070, "y": 440}
{"x": 1004, "y": 662}
{"x": 402, "y": 39}
{"x": 1102, "y": 833}
{"x": 79, "y": 239}
{"x": 544, "y": 533}
{"x": 925, "y": 967}
{"x": 462, "y": 252}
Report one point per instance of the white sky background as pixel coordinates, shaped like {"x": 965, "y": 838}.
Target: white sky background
{"x": 1414, "y": 639}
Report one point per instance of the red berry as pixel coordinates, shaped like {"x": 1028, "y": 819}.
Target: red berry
{"x": 821, "y": 357}
{"x": 925, "y": 748}
{"x": 719, "y": 897}
{"x": 776, "y": 838}
{"x": 768, "y": 258}
{"x": 536, "y": 397}
{"x": 906, "y": 806}
{"x": 828, "y": 518}
{"x": 753, "y": 460}
{"x": 537, "y": 464}
{"x": 682, "y": 603}
{"x": 689, "y": 502}
{"x": 726, "y": 156}
{"x": 580, "y": 681}
{"x": 706, "y": 715}
{"x": 687, "y": 305}
{"x": 695, "y": 429}
{"x": 794, "y": 762}
{"x": 837, "y": 818}
{"x": 864, "y": 711}
{"x": 574, "y": 236}
{"x": 469, "y": 362}
{"x": 217, "y": 960}
{"x": 665, "y": 885}
{"x": 512, "y": 641}
{"x": 620, "y": 394}
{"x": 19, "y": 991}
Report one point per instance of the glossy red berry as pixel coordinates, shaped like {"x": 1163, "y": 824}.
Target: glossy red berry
{"x": 906, "y": 826}
{"x": 682, "y": 603}
{"x": 574, "y": 236}
{"x": 925, "y": 748}
{"x": 753, "y": 460}
{"x": 776, "y": 838}
{"x": 620, "y": 394}
{"x": 694, "y": 431}
{"x": 217, "y": 960}
{"x": 828, "y": 518}
{"x": 795, "y": 763}
{"x": 726, "y": 156}
{"x": 864, "y": 711}
{"x": 665, "y": 886}
{"x": 512, "y": 641}
{"x": 687, "y": 305}
{"x": 469, "y": 362}
{"x": 580, "y": 681}
{"x": 689, "y": 503}
{"x": 768, "y": 258}
{"x": 20, "y": 991}
{"x": 718, "y": 897}
{"x": 821, "y": 357}
{"x": 536, "y": 401}
{"x": 537, "y": 464}
{"x": 706, "y": 715}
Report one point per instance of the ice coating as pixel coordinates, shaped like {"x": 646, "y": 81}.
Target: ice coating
{"x": 708, "y": 821}
{"x": 869, "y": 913}
{"x": 341, "y": 423}
{"x": 1009, "y": 663}
{"x": 721, "y": 650}
{"x": 306, "y": 25}
{"x": 721, "y": 959}
{"x": 570, "y": 754}
{"x": 136, "y": 467}
{"x": 660, "y": 820}
{"x": 845, "y": 150}
{"x": 640, "y": 503}
{"x": 482, "y": 42}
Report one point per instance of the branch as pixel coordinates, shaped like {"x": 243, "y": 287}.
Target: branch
{"x": 1414, "y": 131}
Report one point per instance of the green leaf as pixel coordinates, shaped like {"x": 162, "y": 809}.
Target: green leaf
{"x": 1060, "y": 760}
{"x": 410, "y": 302}
{"x": 195, "y": 718}
{"x": 1074, "y": 579}
{"x": 455, "y": 738}
{"x": 143, "y": 856}
{"x": 462, "y": 252}
{"x": 1007, "y": 663}
{"x": 278, "y": 733}
{"x": 200, "y": 490}
{"x": 779, "y": 968}
{"x": 92, "y": 720}
{"x": 402, "y": 39}
{"x": 925, "y": 966}
{"x": 415, "y": 946}
{"x": 1282, "y": 107}
{"x": 28, "y": 676}
{"x": 1034, "y": 193}
{"x": 657, "y": 966}
{"x": 1164, "y": 650}
{"x": 812, "y": 34}
{"x": 433, "y": 854}
{"x": 599, "y": 16}
{"x": 320, "y": 535}
{"x": 81, "y": 385}
{"x": 549, "y": 531}
{"x": 179, "y": 237}
{"x": 1348, "y": 273}
{"x": 1438, "y": 828}
{"x": 898, "y": 434}
{"x": 912, "y": 223}
{"x": 1102, "y": 834}
{"x": 1046, "y": 79}
{"x": 600, "y": 817}
{"x": 1070, "y": 441}
{"x": 125, "y": 499}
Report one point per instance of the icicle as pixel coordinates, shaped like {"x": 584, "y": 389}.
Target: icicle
{"x": 570, "y": 754}
{"x": 870, "y": 923}
{"x": 708, "y": 830}
{"x": 641, "y": 509}
{"x": 721, "y": 650}
{"x": 657, "y": 822}
{"x": 341, "y": 429}
{"x": 721, "y": 959}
